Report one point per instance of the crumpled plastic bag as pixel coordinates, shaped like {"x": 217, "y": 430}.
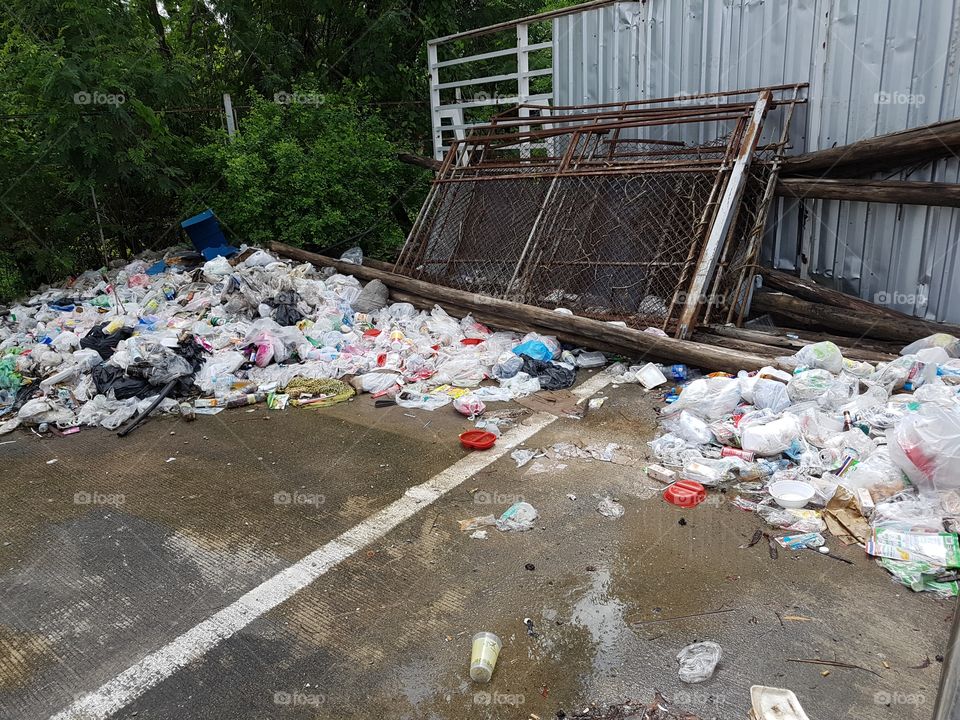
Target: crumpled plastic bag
{"x": 709, "y": 398}
{"x": 941, "y": 340}
{"x": 517, "y": 518}
{"x": 809, "y": 385}
{"x": 552, "y": 376}
{"x": 44, "y": 410}
{"x": 822, "y": 355}
{"x": 469, "y": 405}
{"x": 461, "y": 370}
{"x": 372, "y": 298}
{"x": 698, "y": 661}
{"x": 926, "y": 446}
{"x": 770, "y": 438}
{"x": 688, "y": 426}
{"x": 534, "y": 349}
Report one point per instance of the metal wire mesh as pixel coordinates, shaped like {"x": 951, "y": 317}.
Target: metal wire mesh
{"x": 606, "y": 216}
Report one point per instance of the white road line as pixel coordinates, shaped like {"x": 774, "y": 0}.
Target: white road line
{"x": 199, "y": 640}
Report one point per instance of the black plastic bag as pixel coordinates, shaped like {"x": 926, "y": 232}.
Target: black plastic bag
{"x": 104, "y": 344}
{"x": 108, "y": 377}
{"x": 285, "y": 308}
{"x": 550, "y": 375}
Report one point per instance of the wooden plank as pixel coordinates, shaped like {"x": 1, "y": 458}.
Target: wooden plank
{"x": 588, "y": 332}
{"x": 845, "y": 320}
{"x": 893, "y": 150}
{"x": 899, "y": 192}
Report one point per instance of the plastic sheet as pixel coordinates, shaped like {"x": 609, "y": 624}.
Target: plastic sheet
{"x": 699, "y": 661}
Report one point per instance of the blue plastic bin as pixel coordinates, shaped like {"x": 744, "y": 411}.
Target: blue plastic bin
{"x": 204, "y": 231}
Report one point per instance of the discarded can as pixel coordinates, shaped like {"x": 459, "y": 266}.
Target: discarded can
{"x": 737, "y": 452}
{"x": 483, "y": 656}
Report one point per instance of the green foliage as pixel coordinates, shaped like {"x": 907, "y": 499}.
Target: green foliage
{"x": 123, "y": 101}
{"x": 319, "y": 173}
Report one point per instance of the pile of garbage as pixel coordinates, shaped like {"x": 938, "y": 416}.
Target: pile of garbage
{"x": 821, "y": 442}
{"x": 194, "y": 337}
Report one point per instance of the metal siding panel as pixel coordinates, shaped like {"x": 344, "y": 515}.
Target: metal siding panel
{"x": 849, "y": 51}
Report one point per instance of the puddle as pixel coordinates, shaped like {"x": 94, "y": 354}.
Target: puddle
{"x": 602, "y": 615}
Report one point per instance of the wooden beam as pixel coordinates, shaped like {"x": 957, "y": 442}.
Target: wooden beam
{"x": 899, "y": 192}
{"x": 845, "y": 320}
{"x": 583, "y": 331}
{"x": 788, "y": 346}
{"x": 814, "y": 292}
{"x": 907, "y": 147}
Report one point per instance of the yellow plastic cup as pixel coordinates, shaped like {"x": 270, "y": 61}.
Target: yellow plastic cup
{"x": 483, "y": 658}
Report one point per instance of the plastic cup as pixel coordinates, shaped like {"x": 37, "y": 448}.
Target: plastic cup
{"x": 483, "y": 658}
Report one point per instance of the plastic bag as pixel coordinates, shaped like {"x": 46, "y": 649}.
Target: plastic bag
{"x": 877, "y": 473}
{"x": 941, "y": 340}
{"x": 770, "y": 394}
{"x": 518, "y": 518}
{"x": 926, "y": 446}
{"x": 521, "y": 385}
{"x": 809, "y": 385}
{"x": 373, "y": 297}
{"x": 709, "y": 398}
{"x": 421, "y": 401}
{"x": 698, "y": 661}
{"x": 469, "y": 405}
{"x": 354, "y": 256}
{"x": 507, "y": 366}
{"x": 375, "y": 382}
{"x": 689, "y": 427}
{"x": 821, "y": 355}
{"x": 460, "y": 370}
{"x": 770, "y": 438}
{"x": 552, "y": 376}
{"x": 534, "y": 349}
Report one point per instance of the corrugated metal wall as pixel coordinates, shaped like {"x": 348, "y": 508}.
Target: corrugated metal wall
{"x": 874, "y": 66}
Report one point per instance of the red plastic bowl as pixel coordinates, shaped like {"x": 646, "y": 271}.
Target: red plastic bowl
{"x": 477, "y": 439}
{"x": 685, "y": 493}
{"x": 471, "y": 341}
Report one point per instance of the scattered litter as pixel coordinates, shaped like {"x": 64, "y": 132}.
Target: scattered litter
{"x": 771, "y": 703}
{"x": 171, "y": 459}
{"x": 477, "y": 522}
{"x": 485, "y": 649}
{"x": 51, "y": 462}
{"x": 517, "y": 518}
{"x": 479, "y": 534}
{"x": 698, "y": 661}
{"x": 596, "y": 403}
{"x": 523, "y": 456}
{"x": 608, "y": 507}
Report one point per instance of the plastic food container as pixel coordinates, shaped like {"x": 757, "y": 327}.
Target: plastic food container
{"x": 791, "y": 493}
{"x": 477, "y": 439}
{"x": 471, "y": 341}
{"x": 685, "y": 494}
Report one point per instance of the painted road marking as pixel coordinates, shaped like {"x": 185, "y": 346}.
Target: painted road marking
{"x": 202, "y": 638}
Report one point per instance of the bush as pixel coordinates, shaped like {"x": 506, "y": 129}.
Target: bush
{"x": 317, "y": 170}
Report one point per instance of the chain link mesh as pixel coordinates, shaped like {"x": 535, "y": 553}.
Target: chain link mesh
{"x": 597, "y": 221}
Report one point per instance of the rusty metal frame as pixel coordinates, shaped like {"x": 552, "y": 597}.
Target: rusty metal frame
{"x": 556, "y": 226}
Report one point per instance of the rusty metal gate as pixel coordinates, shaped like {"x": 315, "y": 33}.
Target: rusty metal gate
{"x": 648, "y": 212}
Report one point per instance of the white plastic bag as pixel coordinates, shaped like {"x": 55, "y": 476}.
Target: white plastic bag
{"x": 770, "y": 438}
{"x": 926, "y": 446}
{"x": 517, "y": 518}
{"x": 821, "y": 355}
{"x": 709, "y": 398}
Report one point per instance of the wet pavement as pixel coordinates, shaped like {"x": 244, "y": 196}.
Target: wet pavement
{"x": 120, "y": 546}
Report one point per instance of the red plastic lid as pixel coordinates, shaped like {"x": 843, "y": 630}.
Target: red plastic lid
{"x": 471, "y": 341}
{"x": 372, "y": 333}
{"x": 478, "y": 439}
{"x": 685, "y": 493}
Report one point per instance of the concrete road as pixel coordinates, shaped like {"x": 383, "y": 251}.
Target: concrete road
{"x": 308, "y": 564}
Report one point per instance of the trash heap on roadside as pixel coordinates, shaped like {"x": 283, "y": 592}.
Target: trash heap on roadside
{"x": 203, "y": 336}
{"x": 821, "y": 443}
